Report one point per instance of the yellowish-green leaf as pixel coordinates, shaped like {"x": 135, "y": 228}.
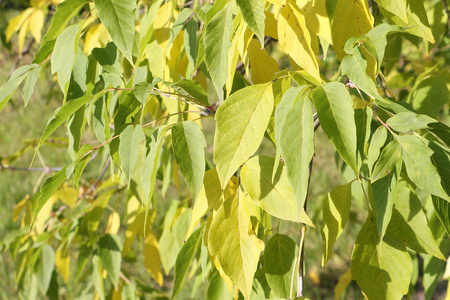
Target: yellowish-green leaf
{"x": 62, "y": 263}
{"x": 336, "y": 209}
{"x": 253, "y": 14}
{"x": 387, "y": 161}
{"x": 274, "y": 196}
{"x": 130, "y": 141}
{"x": 110, "y": 253}
{"x": 229, "y": 239}
{"x": 351, "y": 19}
{"x": 152, "y": 260}
{"x": 240, "y": 125}
{"x": 295, "y": 39}
{"x": 262, "y": 65}
{"x": 396, "y": 7}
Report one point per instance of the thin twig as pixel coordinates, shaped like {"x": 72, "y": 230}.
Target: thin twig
{"x": 99, "y": 178}
{"x": 44, "y": 169}
{"x": 447, "y": 12}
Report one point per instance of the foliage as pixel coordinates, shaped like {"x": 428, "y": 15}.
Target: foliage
{"x": 142, "y": 78}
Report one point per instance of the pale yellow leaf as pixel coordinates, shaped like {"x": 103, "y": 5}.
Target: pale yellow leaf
{"x": 37, "y": 3}
{"x": 36, "y": 24}
{"x": 152, "y": 260}
{"x": 165, "y": 18}
{"x": 16, "y": 22}
{"x": 67, "y": 195}
{"x": 271, "y": 25}
{"x": 317, "y": 20}
{"x": 19, "y": 207}
{"x": 113, "y": 223}
{"x": 62, "y": 263}
{"x": 22, "y": 35}
{"x": 278, "y": 2}
{"x": 263, "y": 66}
{"x": 96, "y": 36}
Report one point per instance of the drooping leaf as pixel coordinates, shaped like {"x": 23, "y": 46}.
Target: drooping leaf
{"x": 421, "y": 171}
{"x": 229, "y": 239}
{"x": 64, "y": 55}
{"x": 262, "y": 65}
{"x": 406, "y": 121}
{"x": 409, "y": 224}
{"x": 384, "y": 193}
{"x": 378, "y": 140}
{"x": 294, "y": 131}
{"x": 344, "y": 25}
{"x": 295, "y": 39}
{"x": 118, "y": 18}
{"x": 381, "y": 271}
{"x": 44, "y": 268}
{"x": 442, "y": 209}
{"x": 184, "y": 260}
{"x": 188, "y": 144}
{"x": 396, "y": 7}
{"x": 354, "y": 66}
{"x": 110, "y": 254}
{"x": 191, "y": 88}
{"x": 377, "y": 38}
{"x": 279, "y": 257}
{"x": 336, "y": 115}
{"x": 129, "y": 148}
{"x": 97, "y": 276}
{"x": 387, "y": 161}
{"x": 179, "y": 24}
{"x": 216, "y": 41}
{"x": 28, "y": 87}
{"x": 336, "y": 210}
{"x": 240, "y": 125}
{"x": 273, "y": 195}
{"x": 253, "y": 14}
{"x": 152, "y": 257}
{"x": 363, "y": 122}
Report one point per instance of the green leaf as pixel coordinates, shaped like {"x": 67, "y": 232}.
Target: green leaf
{"x": 406, "y": 121}
{"x": 65, "y": 11}
{"x": 442, "y": 209}
{"x": 273, "y": 195}
{"x": 354, "y": 66}
{"x": 110, "y": 253}
{"x": 216, "y": 40}
{"x": 335, "y": 110}
{"x": 64, "y": 55}
{"x": 150, "y": 166}
{"x": 188, "y": 144}
{"x": 378, "y": 140}
{"x": 129, "y": 148}
{"x": 387, "y": 161}
{"x": 336, "y": 209}
{"x": 421, "y": 171}
{"x": 179, "y": 24}
{"x": 382, "y": 271}
{"x": 279, "y": 258}
{"x": 229, "y": 239}
{"x": 30, "y": 82}
{"x": 377, "y": 37}
{"x": 409, "y": 224}
{"x": 184, "y": 260}
{"x": 118, "y": 18}
{"x": 10, "y": 87}
{"x": 384, "y": 193}
{"x": 396, "y": 7}
{"x": 253, "y": 14}
{"x": 49, "y": 186}
{"x": 294, "y": 131}
{"x": 429, "y": 95}
{"x": 108, "y": 58}
{"x": 240, "y": 125}
{"x": 190, "y": 42}
{"x": 44, "y": 268}
{"x": 363, "y": 122}
{"x": 97, "y": 276}
{"x": 191, "y": 88}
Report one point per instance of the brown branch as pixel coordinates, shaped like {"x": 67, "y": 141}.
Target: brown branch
{"x": 44, "y": 169}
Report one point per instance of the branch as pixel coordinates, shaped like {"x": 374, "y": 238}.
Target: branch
{"x": 44, "y": 169}
{"x": 447, "y": 12}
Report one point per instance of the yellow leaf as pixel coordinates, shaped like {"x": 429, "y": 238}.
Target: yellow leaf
{"x": 62, "y": 263}
{"x": 234, "y": 53}
{"x": 278, "y": 2}
{"x": 270, "y": 28}
{"x": 36, "y": 24}
{"x": 67, "y": 195}
{"x": 317, "y": 20}
{"x": 96, "y": 36}
{"x": 342, "y": 284}
{"x": 228, "y": 238}
{"x": 351, "y": 19}
{"x": 164, "y": 19}
{"x": 44, "y": 215}
{"x": 152, "y": 260}
{"x": 113, "y": 223}
{"x": 263, "y": 66}
{"x": 16, "y": 22}
{"x": 295, "y": 39}
{"x": 37, "y": 3}
{"x": 19, "y": 207}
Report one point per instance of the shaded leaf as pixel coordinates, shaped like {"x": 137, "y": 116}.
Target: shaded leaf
{"x": 152, "y": 258}
{"x": 129, "y": 148}
{"x": 110, "y": 254}
{"x": 387, "y": 161}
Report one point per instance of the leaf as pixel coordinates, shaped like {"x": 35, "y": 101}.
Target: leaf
{"x": 396, "y": 7}
{"x": 377, "y": 38}
{"x": 190, "y": 42}
{"x": 64, "y": 55}
{"x": 30, "y": 83}
{"x": 336, "y": 115}
{"x": 228, "y": 238}
{"x": 216, "y": 41}
{"x": 351, "y": 19}
{"x": 62, "y": 263}
{"x": 110, "y": 253}
{"x": 382, "y": 271}
{"x": 363, "y": 122}
{"x": 44, "y": 268}
{"x": 191, "y": 88}
{"x": 387, "y": 161}
{"x": 240, "y": 125}
{"x": 279, "y": 258}
{"x": 179, "y": 24}
{"x": 409, "y": 224}
{"x": 294, "y": 131}
{"x": 150, "y": 166}
{"x": 10, "y": 87}
{"x": 421, "y": 171}
{"x": 336, "y": 210}
{"x": 354, "y": 66}
{"x": 188, "y": 144}
{"x": 49, "y": 186}
{"x": 263, "y": 66}
{"x": 429, "y": 95}
{"x": 118, "y": 18}
{"x": 253, "y": 14}
{"x": 442, "y": 209}
{"x": 97, "y": 276}
{"x": 378, "y": 140}
{"x": 295, "y": 39}
{"x": 406, "y": 121}
{"x": 184, "y": 260}
{"x": 384, "y": 193}
{"x": 152, "y": 258}
{"x": 273, "y": 195}
{"x": 129, "y": 148}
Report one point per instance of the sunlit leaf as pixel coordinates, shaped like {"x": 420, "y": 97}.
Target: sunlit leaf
{"x": 253, "y": 14}
{"x": 406, "y": 121}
